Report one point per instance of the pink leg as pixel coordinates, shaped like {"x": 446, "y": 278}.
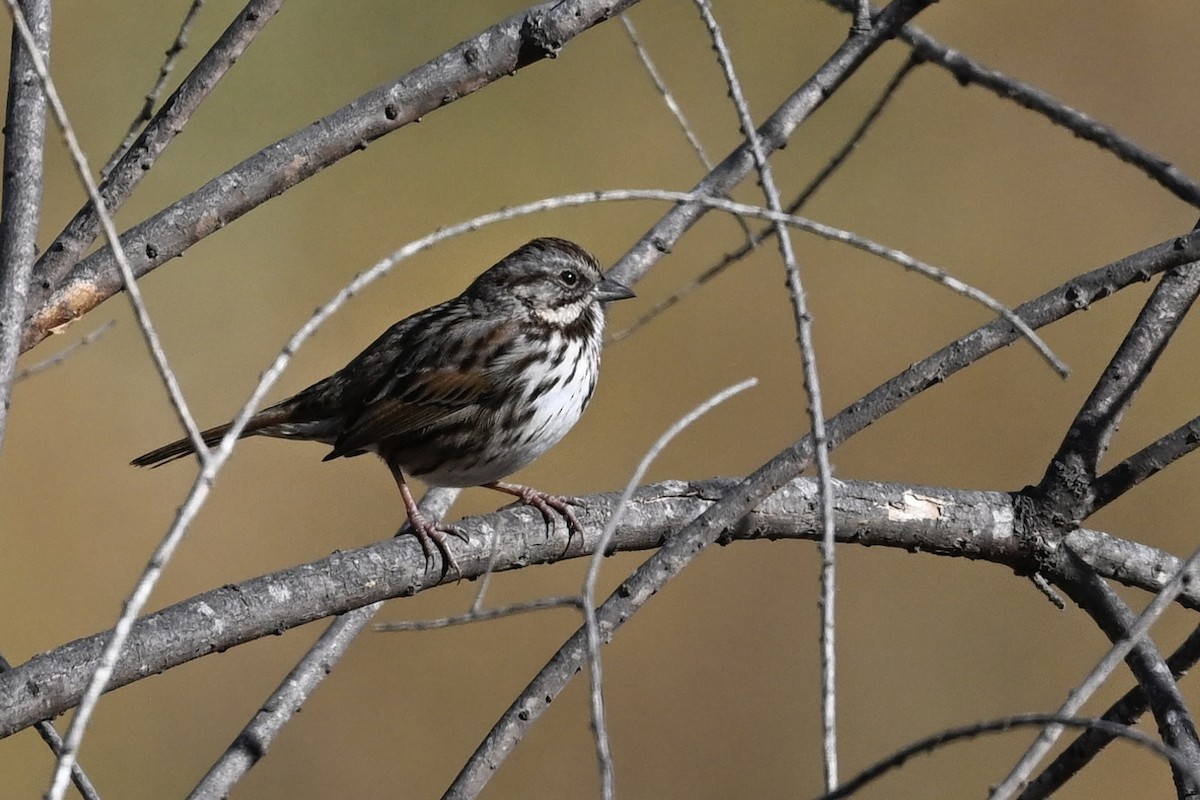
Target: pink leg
{"x": 429, "y": 534}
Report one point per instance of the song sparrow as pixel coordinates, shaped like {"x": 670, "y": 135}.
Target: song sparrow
{"x": 463, "y": 393}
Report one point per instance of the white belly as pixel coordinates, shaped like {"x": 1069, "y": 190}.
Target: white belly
{"x": 556, "y": 409}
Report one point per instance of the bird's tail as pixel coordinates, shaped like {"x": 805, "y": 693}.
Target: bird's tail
{"x": 183, "y": 447}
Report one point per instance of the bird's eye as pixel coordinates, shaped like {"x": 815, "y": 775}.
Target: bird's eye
{"x": 569, "y": 277}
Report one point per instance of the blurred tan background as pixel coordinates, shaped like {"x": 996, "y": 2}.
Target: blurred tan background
{"x": 712, "y": 690}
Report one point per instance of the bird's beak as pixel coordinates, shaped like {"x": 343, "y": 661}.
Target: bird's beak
{"x": 609, "y": 290}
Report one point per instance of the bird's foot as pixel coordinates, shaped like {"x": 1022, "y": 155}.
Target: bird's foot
{"x": 432, "y": 535}
{"x": 547, "y": 504}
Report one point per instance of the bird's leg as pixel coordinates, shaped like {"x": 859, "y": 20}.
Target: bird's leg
{"x": 545, "y": 503}
{"x": 429, "y": 534}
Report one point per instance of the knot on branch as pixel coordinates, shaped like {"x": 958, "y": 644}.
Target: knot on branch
{"x": 1039, "y": 528}
{"x": 538, "y": 40}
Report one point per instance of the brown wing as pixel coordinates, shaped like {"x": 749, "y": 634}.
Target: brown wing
{"x": 431, "y": 398}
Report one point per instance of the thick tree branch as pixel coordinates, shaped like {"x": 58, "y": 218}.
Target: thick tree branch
{"x": 959, "y": 523}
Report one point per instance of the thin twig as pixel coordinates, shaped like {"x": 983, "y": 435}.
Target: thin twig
{"x": 812, "y": 387}
{"x": 151, "y": 99}
{"x": 482, "y": 615}
{"x": 827, "y": 232}
{"x": 20, "y": 208}
{"x": 824, "y": 231}
{"x": 802, "y": 198}
{"x": 591, "y": 624}
{"x": 1002, "y": 725}
{"x": 668, "y": 97}
{"x": 66, "y": 352}
{"x": 967, "y": 71}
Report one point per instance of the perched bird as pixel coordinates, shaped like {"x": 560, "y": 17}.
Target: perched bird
{"x": 463, "y": 393}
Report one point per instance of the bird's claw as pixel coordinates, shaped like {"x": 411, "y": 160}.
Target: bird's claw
{"x": 433, "y": 536}
{"x": 548, "y": 505}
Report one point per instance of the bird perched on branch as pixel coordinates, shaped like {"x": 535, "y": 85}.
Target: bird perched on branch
{"x": 463, "y": 393}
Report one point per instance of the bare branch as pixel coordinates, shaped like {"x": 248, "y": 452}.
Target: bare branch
{"x": 1148, "y": 461}
{"x": 482, "y": 615}
{"x": 66, "y": 352}
{"x": 501, "y": 50}
{"x": 1067, "y": 486}
{"x": 668, "y": 98}
{"x": 135, "y": 163}
{"x": 600, "y": 550}
{"x": 260, "y": 733}
{"x": 967, "y": 71}
{"x": 794, "y": 207}
{"x": 1124, "y": 712}
{"x": 1180, "y": 581}
{"x": 20, "y": 209}
{"x": 773, "y": 133}
{"x": 802, "y": 319}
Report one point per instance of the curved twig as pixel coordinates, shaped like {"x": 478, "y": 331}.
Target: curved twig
{"x": 1002, "y": 725}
